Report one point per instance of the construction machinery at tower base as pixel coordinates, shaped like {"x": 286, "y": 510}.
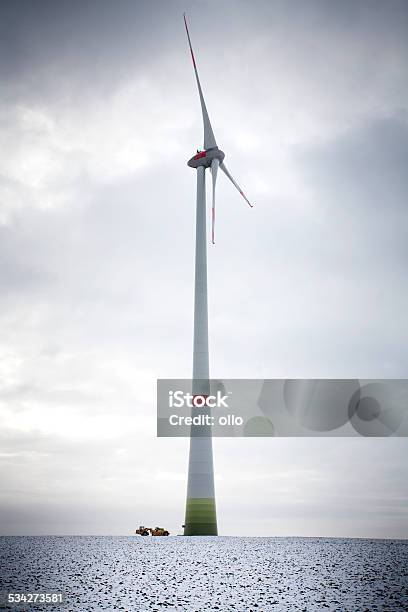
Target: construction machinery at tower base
{"x": 157, "y": 531}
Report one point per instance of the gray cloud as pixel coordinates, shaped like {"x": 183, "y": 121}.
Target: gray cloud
{"x": 96, "y": 253}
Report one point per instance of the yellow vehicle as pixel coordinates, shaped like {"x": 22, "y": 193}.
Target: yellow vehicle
{"x": 157, "y": 531}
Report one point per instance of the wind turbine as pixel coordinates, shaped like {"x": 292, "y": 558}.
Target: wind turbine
{"x": 201, "y": 517}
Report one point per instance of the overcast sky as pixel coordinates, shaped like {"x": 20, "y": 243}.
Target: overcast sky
{"x": 98, "y": 115}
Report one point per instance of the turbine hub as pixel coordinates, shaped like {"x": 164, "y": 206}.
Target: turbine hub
{"x": 204, "y": 158}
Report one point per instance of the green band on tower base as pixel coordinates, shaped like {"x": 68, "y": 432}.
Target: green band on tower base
{"x": 201, "y": 517}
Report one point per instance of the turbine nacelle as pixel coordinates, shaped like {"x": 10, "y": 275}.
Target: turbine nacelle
{"x": 206, "y": 157}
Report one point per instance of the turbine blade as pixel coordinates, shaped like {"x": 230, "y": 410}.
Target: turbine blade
{"x": 224, "y": 169}
{"x": 214, "y": 169}
{"x": 209, "y": 139}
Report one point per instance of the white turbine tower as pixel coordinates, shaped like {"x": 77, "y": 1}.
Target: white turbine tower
{"x": 201, "y": 517}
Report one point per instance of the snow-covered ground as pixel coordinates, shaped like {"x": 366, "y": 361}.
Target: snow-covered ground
{"x": 224, "y": 573}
